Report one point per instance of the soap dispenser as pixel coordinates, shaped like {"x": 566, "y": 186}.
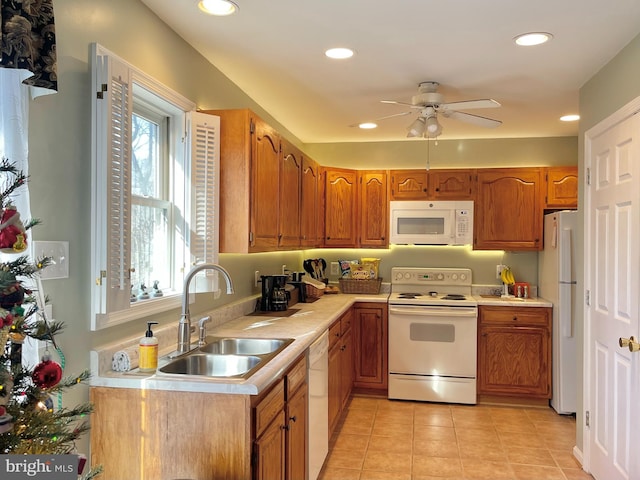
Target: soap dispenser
{"x": 148, "y": 358}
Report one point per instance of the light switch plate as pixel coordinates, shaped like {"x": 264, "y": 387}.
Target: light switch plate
{"x": 59, "y": 253}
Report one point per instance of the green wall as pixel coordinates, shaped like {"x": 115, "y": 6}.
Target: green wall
{"x": 60, "y": 159}
{"x": 615, "y": 85}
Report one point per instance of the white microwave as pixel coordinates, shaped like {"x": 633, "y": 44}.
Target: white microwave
{"x": 424, "y": 222}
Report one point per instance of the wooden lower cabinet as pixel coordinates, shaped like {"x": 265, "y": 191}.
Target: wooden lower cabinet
{"x": 340, "y": 367}
{"x": 280, "y": 426}
{"x": 203, "y": 435}
{"x": 514, "y": 351}
{"x": 370, "y": 327}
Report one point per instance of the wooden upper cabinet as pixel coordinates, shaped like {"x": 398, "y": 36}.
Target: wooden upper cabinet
{"x": 562, "y": 187}
{"x": 451, "y": 184}
{"x": 408, "y": 184}
{"x": 374, "y": 211}
{"x": 265, "y": 188}
{"x": 290, "y": 196}
{"x": 310, "y": 231}
{"x": 341, "y": 207}
{"x": 508, "y": 210}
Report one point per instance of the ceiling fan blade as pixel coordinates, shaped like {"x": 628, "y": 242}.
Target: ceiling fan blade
{"x": 410, "y": 105}
{"x": 474, "y": 119}
{"x": 395, "y": 115}
{"x": 469, "y": 104}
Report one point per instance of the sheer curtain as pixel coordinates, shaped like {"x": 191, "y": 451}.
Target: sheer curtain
{"x": 28, "y": 69}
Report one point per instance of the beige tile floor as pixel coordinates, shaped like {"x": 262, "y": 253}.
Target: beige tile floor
{"x": 379, "y": 439}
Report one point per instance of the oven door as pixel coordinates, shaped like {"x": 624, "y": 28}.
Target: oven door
{"x": 433, "y": 340}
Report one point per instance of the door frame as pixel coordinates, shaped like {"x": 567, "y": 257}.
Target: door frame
{"x": 626, "y": 111}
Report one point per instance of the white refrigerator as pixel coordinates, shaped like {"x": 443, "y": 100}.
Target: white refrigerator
{"x": 557, "y": 283}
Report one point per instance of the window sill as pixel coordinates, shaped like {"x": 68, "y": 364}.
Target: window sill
{"x": 140, "y": 309}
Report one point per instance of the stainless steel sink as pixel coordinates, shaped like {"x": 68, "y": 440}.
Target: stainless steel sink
{"x": 210, "y": 365}
{"x": 227, "y": 357}
{"x": 244, "y": 346}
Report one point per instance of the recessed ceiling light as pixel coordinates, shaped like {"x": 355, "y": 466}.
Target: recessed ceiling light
{"x": 570, "y": 118}
{"x": 368, "y": 125}
{"x": 339, "y": 53}
{"x": 532, "y": 38}
{"x": 218, "y": 7}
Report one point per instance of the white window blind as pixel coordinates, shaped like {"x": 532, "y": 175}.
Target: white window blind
{"x": 194, "y": 166}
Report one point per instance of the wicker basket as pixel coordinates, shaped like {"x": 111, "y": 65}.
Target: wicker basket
{"x": 313, "y": 292}
{"x": 358, "y": 285}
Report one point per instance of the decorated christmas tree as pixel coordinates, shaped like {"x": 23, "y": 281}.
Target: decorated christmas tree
{"x": 30, "y": 422}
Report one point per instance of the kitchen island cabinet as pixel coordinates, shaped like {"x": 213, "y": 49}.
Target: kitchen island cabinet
{"x": 514, "y": 351}
{"x": 370, "y": 330}
{"x": 508, "y": 209}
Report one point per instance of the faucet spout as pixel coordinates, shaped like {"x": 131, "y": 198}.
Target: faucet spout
{"x": 184, "y": 326}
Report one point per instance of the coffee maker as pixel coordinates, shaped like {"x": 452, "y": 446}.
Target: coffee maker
{"x": 274, "y": 296}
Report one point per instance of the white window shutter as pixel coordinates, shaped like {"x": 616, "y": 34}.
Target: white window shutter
{"x": 112, "y": 186}
{"x": 205, "y": 171}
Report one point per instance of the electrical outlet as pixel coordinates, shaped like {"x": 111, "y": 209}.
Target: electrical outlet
{"x": 335, "y": 270}
{"x": 256, "y": 278}
{"x": 499, "y": 269}
{"x": 284, "y": 269}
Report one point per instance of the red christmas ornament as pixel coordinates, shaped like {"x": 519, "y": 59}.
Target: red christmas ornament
{"x": 47, "y": 373}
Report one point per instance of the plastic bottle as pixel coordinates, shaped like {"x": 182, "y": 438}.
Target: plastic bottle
{"x": 148, "y": 358}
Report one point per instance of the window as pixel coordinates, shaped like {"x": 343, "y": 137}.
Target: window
{"x": 155, "y": 193}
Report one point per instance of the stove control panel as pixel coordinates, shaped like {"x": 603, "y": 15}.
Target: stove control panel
{"x": 430, "y": 276}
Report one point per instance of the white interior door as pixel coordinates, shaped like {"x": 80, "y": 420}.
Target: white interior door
{"x": 612, "y": 277}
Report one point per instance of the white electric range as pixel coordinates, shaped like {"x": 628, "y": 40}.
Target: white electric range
{"x": 432, "y": 335}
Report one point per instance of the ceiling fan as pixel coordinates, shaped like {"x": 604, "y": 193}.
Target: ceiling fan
{"x": 430, "y": 103}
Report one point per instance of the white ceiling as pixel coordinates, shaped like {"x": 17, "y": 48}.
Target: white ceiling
{"x": 274, "y": 51}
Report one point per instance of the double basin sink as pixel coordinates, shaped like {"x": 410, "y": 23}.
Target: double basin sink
{"x": 227, "y": 357}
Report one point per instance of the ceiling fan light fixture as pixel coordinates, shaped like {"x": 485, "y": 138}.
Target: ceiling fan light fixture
{"x": 417, "y": 128}
{"x": 368, "y": 125}
{"x": 219, "y": 8}
{"x": 339, "y": 53}
{"x": 432, "y": 125}
{"x": 532, "y": 38}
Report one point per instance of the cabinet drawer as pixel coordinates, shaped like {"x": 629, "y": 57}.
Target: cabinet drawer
{"x": 269, "y": 407}
{"x": 514, "y": 315}
{"x": 296, "y": 376}
{"x": 345, "y": 322}
{"x": 334, "y": 333}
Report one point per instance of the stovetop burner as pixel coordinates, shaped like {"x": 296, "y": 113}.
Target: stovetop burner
{"x": 409, "y": 295}
{"x": 454, "y": 296}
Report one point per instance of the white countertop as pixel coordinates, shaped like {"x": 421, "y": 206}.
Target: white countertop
{"x": 305, "y": 326}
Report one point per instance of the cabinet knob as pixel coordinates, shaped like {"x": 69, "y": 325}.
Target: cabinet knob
{"x": 284, "y": 427}
{"x": 293, "y": 419}
{"x": 515, "y": 318}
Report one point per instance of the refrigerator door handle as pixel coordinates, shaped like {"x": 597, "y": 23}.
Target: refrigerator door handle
{"x": 566, "y": 313}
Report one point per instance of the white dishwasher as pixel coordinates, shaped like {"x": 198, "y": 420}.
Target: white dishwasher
{"x": 318, "y": 414}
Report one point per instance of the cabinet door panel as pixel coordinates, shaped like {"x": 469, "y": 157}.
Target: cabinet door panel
{"x": 508, "y": 209}
{"x": 370, "y": 348}
{"x": 335, "y": 380}
{"x": 270, "y": 451}
{"x": 310, "y": 204}
{"x": 562, "y": 187}
{"x": 290, "y": 178}
{"x": 265, "y": 188}
{"x": 341, "y": 207}
{"x": 374, "y": 216}
{"x": 408, "y": 185}
{"x": 297, "y": 435}
{"x": 451, "y": 184}
{"x": 513, "y": 361}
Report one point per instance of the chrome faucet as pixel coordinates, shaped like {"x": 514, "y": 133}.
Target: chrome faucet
{"x": 184, "y": 327}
